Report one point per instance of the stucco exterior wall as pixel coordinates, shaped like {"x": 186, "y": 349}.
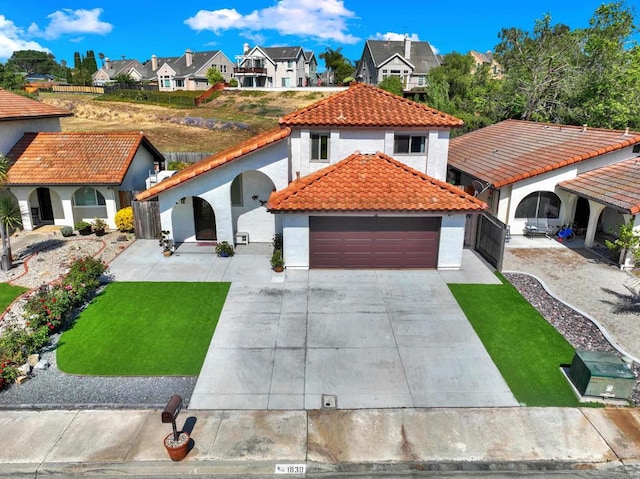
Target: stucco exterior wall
{"x": 12, "y": 131}
{"x": 295, "y": 240}
{"x": 451, "y": 242}
{"x": 215, "y": 188}
{"x": 253, "y": 215}
{"x": 139, "y": 170}
{"x": 438, "y": 154}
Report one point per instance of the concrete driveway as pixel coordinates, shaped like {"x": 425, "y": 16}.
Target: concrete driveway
{"x": 331, "y": 338}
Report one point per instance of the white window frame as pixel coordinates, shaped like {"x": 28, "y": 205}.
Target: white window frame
{"x": 316, "y": 141}
{"x": 98, "y": 198}
{"x": 417, "y": 144}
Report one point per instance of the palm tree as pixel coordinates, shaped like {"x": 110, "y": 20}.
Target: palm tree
{"x": 10, "y": 216}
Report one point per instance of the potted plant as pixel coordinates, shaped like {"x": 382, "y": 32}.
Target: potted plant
{"x": 277, "y": 261}
{"x": 166, "y": 243}
{"x": 99, "y": 226}
{"x": 625, "y": 245}
{"x": 83, "y": 228}
{"x": 224, "y": 249}
{"x": 176, "y": 443}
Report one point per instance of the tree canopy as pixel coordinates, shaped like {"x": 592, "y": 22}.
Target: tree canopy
{"x": 337, "y": 65}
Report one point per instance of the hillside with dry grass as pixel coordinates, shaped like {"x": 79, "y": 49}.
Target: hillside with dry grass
{"x": 230, "y": 118}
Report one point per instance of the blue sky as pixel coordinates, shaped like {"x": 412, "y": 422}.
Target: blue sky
{"x": 139, "y": 29}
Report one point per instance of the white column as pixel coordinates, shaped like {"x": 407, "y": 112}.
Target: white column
{"x": 110, "y": 203}
{"x": 594, "y": 213}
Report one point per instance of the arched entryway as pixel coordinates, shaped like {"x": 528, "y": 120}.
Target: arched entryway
{"x": 581, "y": 218}
{"x": 204, "y": 220}
{"x": 539, "y": 204}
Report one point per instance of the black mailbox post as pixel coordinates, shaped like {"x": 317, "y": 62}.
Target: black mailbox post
{"x": 171, "y": 411}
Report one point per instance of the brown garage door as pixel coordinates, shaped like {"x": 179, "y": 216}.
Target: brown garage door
{"x": 373, "y": 242}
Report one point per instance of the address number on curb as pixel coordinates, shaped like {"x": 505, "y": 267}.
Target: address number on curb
{"x": 291, "y": 468}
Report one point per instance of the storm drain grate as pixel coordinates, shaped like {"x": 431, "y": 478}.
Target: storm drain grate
{"x": 329, "y": 401}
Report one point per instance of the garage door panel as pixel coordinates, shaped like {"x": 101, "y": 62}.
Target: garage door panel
{"x": 373, "y": 242}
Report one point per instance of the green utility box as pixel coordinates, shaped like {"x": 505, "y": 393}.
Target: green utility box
{"x": 601, "y": 374}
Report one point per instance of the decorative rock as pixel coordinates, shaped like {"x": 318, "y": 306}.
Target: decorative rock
{"x": 24, "y": 369}
{"x": 33, "y": 359}
{"x": 21, "y": 379}
{"x": 42, "y": 364}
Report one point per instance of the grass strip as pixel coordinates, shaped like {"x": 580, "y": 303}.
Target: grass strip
{"x": 144, "y": 329}
{"x": 8, "y": 293}
{"x": 527, "y": 350}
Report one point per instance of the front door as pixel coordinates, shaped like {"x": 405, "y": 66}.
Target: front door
{"x": 205, "y": 220}
{"x": 44, "y": 200}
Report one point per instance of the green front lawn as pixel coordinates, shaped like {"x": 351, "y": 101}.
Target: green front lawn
{"x": 144, "y": 329}
{"x": 8, "y": 293}
{"x": 527, "y": 350}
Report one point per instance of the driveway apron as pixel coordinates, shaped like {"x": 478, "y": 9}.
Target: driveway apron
{"x": 334, "y": 338}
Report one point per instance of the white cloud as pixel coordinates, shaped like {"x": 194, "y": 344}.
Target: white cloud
{"x": 392, "y": 36}
{"x": 67, "y": 21}
{"x": 321, "y": 19}
{"x": 13, "y": 38}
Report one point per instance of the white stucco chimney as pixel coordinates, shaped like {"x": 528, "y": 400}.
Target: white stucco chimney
{"x": 154, "y": 62}
{"x": 407, "y": 47}
{"x": 188, "y": 57}
{"x": 107, "y": 64}
{"x": 245, "y": 48}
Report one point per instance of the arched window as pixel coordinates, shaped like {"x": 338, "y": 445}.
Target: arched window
{"x": 88, "y": 196}
{"x": 541, "y": 204}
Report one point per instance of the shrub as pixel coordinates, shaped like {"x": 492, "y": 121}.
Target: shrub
{"x": 233, "y": 83}
{"x": 48, "y": 307}
{"x": 83, "y": 227}
{"x": 66, "y": 231}
{"x": 124, "y": 219}
{"x": 224, "y": 249}
{"x": 98, "y": 224}
{"x": 277, "y": 261}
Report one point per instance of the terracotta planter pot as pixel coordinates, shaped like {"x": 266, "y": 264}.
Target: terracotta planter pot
{"x": 278, "y": 269}
{"x": 167, "y": 253}
{"x": 100, "y": 232}
{"x": 177, "y": 451}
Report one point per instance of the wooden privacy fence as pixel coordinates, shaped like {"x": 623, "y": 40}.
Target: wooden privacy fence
{"x": 490, "y": 239}
{"x": 77, "y": 89}
{"x": 146, "y": 219}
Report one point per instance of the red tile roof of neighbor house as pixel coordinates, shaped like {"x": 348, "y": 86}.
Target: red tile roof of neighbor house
{"x": 74, "y": 158}
{"x": 513, "y": 150}
{"x": 364, "y": 105}
{"x": 615, "y": 185}
{"x": 18, "y": 107}
{"x": 216, "y": 160}
{"x": 368, "y": 183}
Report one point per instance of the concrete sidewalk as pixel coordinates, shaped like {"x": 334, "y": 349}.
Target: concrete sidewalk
{"x": 99, "y": 443}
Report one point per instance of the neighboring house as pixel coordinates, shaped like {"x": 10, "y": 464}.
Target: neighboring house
{"x": 409, "y": 60}
{"x": 62, "y": 177}
{"x": 355, "y": 180}
{"x": 113, "y": 68}
{"x": 270, "y": 67}
{"x": 567, "y": 174}
{"x": 19, "y": 114}
{"x": 189, "y": 71}
{"x": 488, "y": 59}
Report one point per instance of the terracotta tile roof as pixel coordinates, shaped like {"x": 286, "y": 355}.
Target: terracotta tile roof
{"x": 18, "y": 107}
{"x": 211, "y": 162}
{"x": 372, "y": 183}
{"x": 364, "y": 105}
{"x": 74, "y": 158}
{"x": 513, "y": 150}
{"x": 615, "y": 185}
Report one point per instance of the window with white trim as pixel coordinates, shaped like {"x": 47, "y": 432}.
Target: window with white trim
{"x": 319, "y": 146}
{"x": 409, "y": 144}
{"x": 88, "y": 196}
{"x": 236, "y": 191}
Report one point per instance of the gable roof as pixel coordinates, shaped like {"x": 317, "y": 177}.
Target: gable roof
{"x": 421, "y": 53}
{"x": 18, "y": 107}
{"x": 214, "y": 161}
{"x": 615, "y": 185}
{"x": 74, "y": 158}
{"x": 513, "y": 150}
{"x": 282, "y": 53}
{"x": 363, "y": 105}
{"x": 370, "y": 183}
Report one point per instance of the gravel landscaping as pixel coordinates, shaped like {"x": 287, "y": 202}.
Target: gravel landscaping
{"x": 43, "y": 260}
{"x": 46, "y": 257}
{"x": 577, "y": 330}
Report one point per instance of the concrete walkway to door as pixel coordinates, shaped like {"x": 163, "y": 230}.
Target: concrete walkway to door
{"x": 349, "y": 338}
